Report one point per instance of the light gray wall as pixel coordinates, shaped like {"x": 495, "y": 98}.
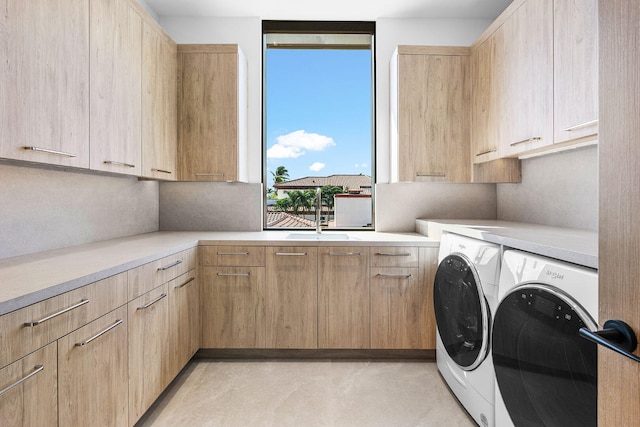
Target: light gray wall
{"x": 42, "y": 209}
{"x": 557, "y": 189}
{"x": 210, "y": 206}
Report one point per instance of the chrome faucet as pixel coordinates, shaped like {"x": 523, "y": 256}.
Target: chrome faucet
{"x": 318, "y": 209}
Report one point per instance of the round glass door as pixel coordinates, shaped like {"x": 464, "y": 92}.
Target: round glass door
{"x": 546, "y": 373}
{"x": 462, "y": 314}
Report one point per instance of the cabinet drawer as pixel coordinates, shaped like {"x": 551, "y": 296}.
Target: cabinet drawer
{"x": 39, "y": 324}
{"x": 394, "y": 256}
{"x": 248, "y": 256}
{"x": 151, "y": 275}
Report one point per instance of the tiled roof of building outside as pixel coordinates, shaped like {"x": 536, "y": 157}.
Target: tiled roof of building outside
{"x": 352, "y": 182}
{"x": 285, "y": 219}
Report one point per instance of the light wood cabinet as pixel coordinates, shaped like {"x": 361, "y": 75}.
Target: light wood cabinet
{"x": 115, "y": 79}
{"x": 159, "y": 103}
{"x": 92, "y": 373}
{"x": 148, "y": 318}
{"x": 29, "y": 392}
{"x": 212, "y": 116}
{"x": 343, "y": 297}
{"x": 575, "y": 70}
{"x": 428, "y": 269}
{"x": 44, "y": 82}
{"x": 292, "y": 297}
{"x": 430, "y": 114}
{"x": 184, "y": 320}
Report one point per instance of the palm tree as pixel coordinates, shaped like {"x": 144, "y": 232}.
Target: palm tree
{"x": 280, "y": 175}
{"x": 328, "y": 191}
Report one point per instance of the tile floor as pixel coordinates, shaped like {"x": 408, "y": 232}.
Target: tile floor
{"x": 306, "y": 393}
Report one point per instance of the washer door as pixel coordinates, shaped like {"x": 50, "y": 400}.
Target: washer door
{"x": 546, "y": 373}
{"x": 462, "y": 313}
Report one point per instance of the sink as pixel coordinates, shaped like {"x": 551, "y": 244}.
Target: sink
{"x": 315, "y": 236}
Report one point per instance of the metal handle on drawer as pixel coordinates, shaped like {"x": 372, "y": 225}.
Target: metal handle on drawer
{"x": 291, "y": 253}
{"x": 234, "y": 274}
{"x": 37, "y": 322}
{"x": 437, "y": 174}
{"x": 394, "y": 275}
{"x": 161, "y": 171}
{"x": 99, "y": 334}
{"x": 232, "y": 253}
{"x": 114, "y": 163}
{"x": 534, "y": 139}
{"x": 47, "y": 150}
{"x": 582, "y": 125}
{"x": 36, "y": 369}
{"x": 345, "y": 254}
{"x": 490, "y": 150}
{"x": 393, "y": 254}
{"x": 173, "y": 264}
{"x": 150, "y": 303}
{"x": 191, "y": 279}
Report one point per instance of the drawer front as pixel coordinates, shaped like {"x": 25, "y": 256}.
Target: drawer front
{"x": 245, "y": 256}
{"x": 15, "y": 339}
{"x": 149, "y": 276}
{"x": 394, "y": 256}
{"x": 189, "y": 260}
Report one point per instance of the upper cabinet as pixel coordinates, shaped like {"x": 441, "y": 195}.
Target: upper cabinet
{"x": 212, "y": 113}
{"x": 576, "y": 70}
{"x": 159, "y": 104}
{"x": 115, "y": 76}
{"x": 429, "y": 93}
{"x": 44, "y": 82}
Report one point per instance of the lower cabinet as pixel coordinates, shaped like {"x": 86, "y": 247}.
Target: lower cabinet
{"x": 184, "y": 320}
{"x": 93, "y": 374}
{"x": 28, "y": 390}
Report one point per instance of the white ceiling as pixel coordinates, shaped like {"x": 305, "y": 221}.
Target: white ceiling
{"x": 334, "y": 10}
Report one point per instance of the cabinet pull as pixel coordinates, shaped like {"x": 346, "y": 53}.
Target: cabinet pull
{"x": 437, "y": 174}
{"x": 191, "y": 279}
{"x": 582, "y": 125}
{"x": 114, "y": 163}
{"x": 99, "y": 334}
{"x": 46, "y": 150}
{"x": 232, "y": 253}
{"x": 150, "y": 303}
{"x": 233, "y": 274}
{"x": 37, "y": 322}
{"x": 161, "y": 171}
{"x": 394, "y": 275}
{"x": 534, "y": 139}
{"x": 291, "y": 253}
{"x": 210, "y": 174}
{"x": 36, "y": 369}
{"x": 393, "y": 254}
{"x": 490, "y": 150}
{"x": 166, "y": 267}
{"x": 345, "y": 253}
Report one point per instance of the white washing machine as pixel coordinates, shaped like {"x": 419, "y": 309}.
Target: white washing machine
{"x": 546, "y": 375}
{"x": 465, "y": 297}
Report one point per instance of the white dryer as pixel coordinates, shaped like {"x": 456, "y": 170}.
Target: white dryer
{"x": 465, "y": 296}
{"x": 546, "y": 375}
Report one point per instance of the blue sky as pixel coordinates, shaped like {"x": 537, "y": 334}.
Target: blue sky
{"x": 318, "y": 120}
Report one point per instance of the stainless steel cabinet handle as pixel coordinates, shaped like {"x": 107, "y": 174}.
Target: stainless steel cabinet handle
{"x": 534, "y": 139}
{"x": 36, "y": 369}
{"x": 166, "y": 267}
{"x": 291, "y": 253}
{"x": 490, "y": 150}
{"x": 150, "y": 303}
{"x": 47, "y": 150}
{"x": 114, "y": 163}
{"x": 582, "y": 125}
{"x": 191, "y": 279}
{"x": 438, "y": 174}
{"x": 393, "y": 254}
{"x": 394, "y": 275}
{"x": 37, "y": 322}
{"x": 234, "y": 274}
{"x": 161, "y": 171}
{"x": 345, "y": 254}
{"x": 232, "y": 253}
{"x": 99, "y": 334}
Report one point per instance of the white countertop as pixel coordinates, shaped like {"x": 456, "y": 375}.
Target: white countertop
{"x": 565, "y": 244}
{"x": 29, "y": 279}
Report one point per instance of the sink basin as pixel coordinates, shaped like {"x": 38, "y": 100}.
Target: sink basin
{"x": 315, "y": 236}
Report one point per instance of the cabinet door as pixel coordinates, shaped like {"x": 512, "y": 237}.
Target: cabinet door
{"x": 233, "y": 307}
{"x": 44, "y": 81}
{"x": 148, "y": 350}
{"x": 208, "y": 115}
{"x": 28, "y": 390}
{"x": 428, "y": 268}
{"x": 159, "y": 104}
{"x": 292, "y": 297}
{"x": 115, "y": 66}
{"x": 575, "y": 69}
{"x": 184, "y": 320}
{"x": 397, "y": 299}
{"x": 343, "y": 297}
{"x": 92, "y": 373}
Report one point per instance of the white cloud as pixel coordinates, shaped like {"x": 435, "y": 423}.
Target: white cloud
{"x": 360, "y": 165}
{"x": 317, "y": 166}
{"x": 296, "y": 144}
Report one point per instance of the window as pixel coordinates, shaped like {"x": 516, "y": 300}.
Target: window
{"x": 318, "y": 123}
